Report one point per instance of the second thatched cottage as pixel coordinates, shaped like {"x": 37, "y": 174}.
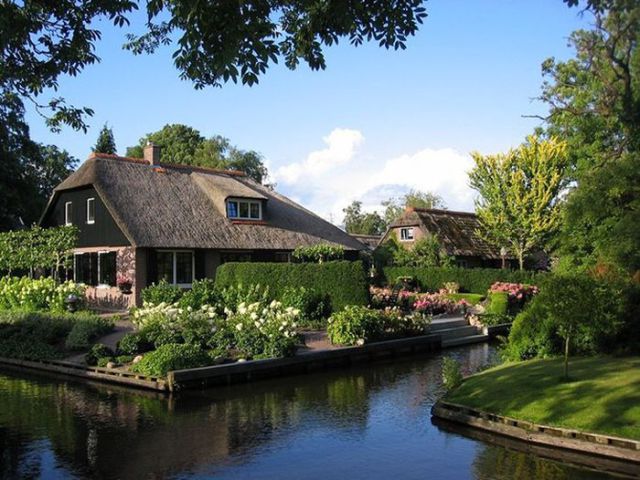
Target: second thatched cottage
{"x": 147, "y": 221}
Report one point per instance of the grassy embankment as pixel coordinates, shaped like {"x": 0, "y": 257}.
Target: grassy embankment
{"x": 603, "y": 395}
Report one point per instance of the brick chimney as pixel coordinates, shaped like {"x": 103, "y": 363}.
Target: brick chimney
{"x": 152, "y": 153}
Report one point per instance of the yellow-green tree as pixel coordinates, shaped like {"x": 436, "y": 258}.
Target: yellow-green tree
{"x": 519, "y": 194}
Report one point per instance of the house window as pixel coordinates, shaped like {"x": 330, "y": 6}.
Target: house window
{"x": 95, "y": 268}
{"x": 91, "y": 210}
{"x": 244, "y": 209}
{"x": 406, "y": 234}
{"x": 68, "y": 213}
{"x": 176, "y": 267}
{"x": 282, "y": 257}
{"x": 107, "y": 268}
{"x": 86, "y": 268}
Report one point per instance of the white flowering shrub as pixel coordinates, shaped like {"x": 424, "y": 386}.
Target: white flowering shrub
{"x": 36, "y": 294}
{"x": 264, "y": 331}
{"x": 255, "y": 330}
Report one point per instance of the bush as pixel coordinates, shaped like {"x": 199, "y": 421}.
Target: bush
{"x": 170, "y": 357}
{"x": 134, "y": 343}
{"x": 96, "y": 352}
{"x": 268, "y": 332}
{"x": 474, "y": 280}
{"x": 492, "y": 319}
{"x": 451, "y": 373}
{"x": 23, "y": 349}
{"x": 203, "y": 292}
{"x": 43, "y": 294}
{"x": 314, "y": 307}
{"x": 592, "y": 313}
{"x": 498, "y": 303}
{"x": 356, "y": 325}
{"x": 344, "y": 282}
{"x": 320, "y": 253}
{"x": 234, "y": 295}
{"x": 162, "y": 292}
{"x": 86, "y": 329}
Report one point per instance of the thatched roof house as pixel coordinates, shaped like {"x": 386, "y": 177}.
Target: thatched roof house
{"x": 369, "y": 241}
{"x": 148, "y": 220}
{"x": 456, "y": 231}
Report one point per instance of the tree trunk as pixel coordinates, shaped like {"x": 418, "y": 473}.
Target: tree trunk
{"x": 521, "y": 259}
{"x": 566, "y": 358}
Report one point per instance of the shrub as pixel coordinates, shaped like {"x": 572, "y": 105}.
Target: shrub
{"x": 170, "y": 357}
{"x": 43, "y": 294}
{"x": 203, "y": 292}
{"x": 314, "y": 307}
{"x": 264, "y": 332}
{"x": 96, "y": 352}
{"x": 234, "y": 295}
{"x": 492, "y": 319}
{"x": 356, "y": 325}
{"x": 86, "y": 329}
{"x": 474, "y": 280}
{"x": 162, "y": 292}
{"x": 589, "y": 313}
{"x": 134, "y": 343}
{"x": 323, "y": 252}
{"x": 426, "y": 252}
{"x": 344, "y": 282}
{"x": 498, "y": 303}
{"x": 451, "y": 373}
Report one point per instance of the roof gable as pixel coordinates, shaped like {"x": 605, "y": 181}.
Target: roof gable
{"x": 456, "y": 231}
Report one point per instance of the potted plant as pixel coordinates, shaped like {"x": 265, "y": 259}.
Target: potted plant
{"x": 124, "y": 283}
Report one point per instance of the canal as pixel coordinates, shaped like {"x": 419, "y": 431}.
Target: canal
{"x": 366, "y": 422}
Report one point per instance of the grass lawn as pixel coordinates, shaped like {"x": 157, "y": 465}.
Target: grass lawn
{"x": 603, "y": 395}
{"x": 472, "y": 298}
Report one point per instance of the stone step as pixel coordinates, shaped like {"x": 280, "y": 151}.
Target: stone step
{"x": 454, "y": 342}
{"x": 457, "y": 332}
{"x": 438, "y": 325}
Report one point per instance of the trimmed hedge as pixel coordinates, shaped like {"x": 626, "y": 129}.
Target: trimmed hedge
{"x": 344, "y": 282}
{"x": 475, "y": 280}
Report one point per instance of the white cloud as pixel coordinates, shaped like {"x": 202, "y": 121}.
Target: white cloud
{"x": 331, "y": 178}
{"x": 341, "y": 146}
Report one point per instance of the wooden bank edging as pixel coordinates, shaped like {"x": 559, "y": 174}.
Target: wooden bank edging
{"x": 110, "y": 375}
{"x": 304, "y": 363}
{"x": 584, "y": 442}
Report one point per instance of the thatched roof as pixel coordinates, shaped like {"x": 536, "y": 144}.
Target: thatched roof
{"x": 369, "y": 241}
{"x": 177, "y": 206}
{"x": 456, "y": 231}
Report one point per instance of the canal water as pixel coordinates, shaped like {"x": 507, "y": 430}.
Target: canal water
{"x": 367, "y": 422}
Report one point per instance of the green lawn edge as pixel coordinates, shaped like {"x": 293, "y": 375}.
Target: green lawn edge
{"x": 603, "y": 395}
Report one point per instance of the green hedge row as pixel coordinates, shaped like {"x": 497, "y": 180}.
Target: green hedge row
{"x": 475, "y": 280}
{"x": 345, "y": 282}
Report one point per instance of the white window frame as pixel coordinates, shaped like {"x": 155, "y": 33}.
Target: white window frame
{"x": 68, "y": 213}
{"x": 91, "y": 221}
{"x": 238, "y": 201}
{"x": 410, "y": 234}
{"x": 175, "y": 264}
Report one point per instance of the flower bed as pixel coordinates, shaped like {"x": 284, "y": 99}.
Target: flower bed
{"x": 43, "y": 294}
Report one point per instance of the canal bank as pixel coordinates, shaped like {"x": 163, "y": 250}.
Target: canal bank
{"x": 594, "y": 412}
{"x": 367, "y": 421}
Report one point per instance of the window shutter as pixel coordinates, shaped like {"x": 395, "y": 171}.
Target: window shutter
{"x": 93, "y": 268}
{"x": 200, "y": 264}
{"x": 152, "y": 267}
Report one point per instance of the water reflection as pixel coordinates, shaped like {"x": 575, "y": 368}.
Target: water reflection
{"x": 365, "y": 422}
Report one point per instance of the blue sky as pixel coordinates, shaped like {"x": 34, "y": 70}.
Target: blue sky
{"x": 374, "y": 123}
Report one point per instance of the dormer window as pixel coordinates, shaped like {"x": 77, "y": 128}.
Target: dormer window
{"x": 244, "y": 209}
{"x": 406, "y": 234}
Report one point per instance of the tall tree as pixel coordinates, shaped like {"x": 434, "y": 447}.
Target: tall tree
{"x": 518, "y": 206}
{"x": 106, "y": 143}
{"x": 594, "y": 101}
{"x": 364, "y": 223}
{"x": 185, "y": 145}
{"x": 394, "y": 207}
